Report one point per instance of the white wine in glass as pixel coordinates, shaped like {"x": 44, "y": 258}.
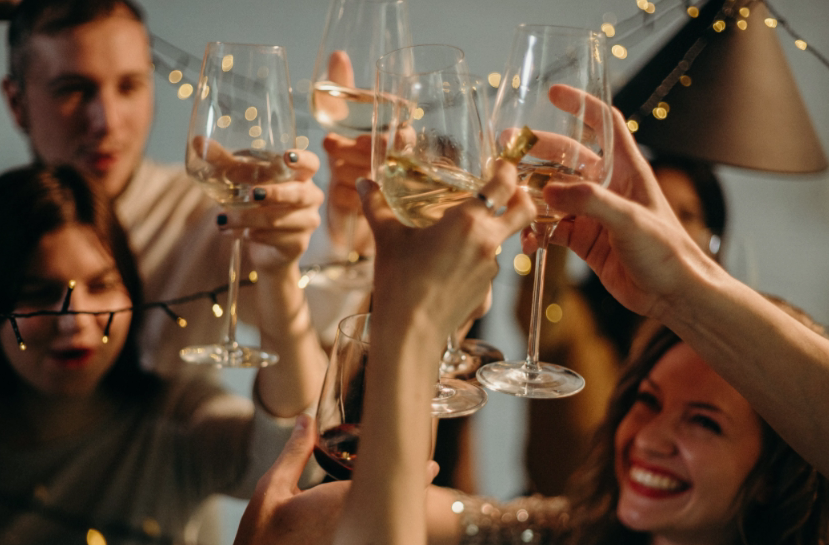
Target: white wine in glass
{"x": 431, "y": 151}
{"x": 357, "y": 33}
{"x": 575, "y": 145}
{"x": 241, "y": 126}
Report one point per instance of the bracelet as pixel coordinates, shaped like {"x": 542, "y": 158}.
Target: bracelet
{"x": 533, "y": 519}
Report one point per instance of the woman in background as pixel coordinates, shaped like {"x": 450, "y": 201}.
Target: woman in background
{"x": 594, "y": 332}
{"x": 87, "y": 438}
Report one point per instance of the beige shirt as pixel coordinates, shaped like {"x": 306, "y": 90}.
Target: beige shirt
{"x": 144, "y": 468}
{"x": 180, "y": 251}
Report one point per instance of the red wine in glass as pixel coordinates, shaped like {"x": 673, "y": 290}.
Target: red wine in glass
{"x": 336, "y": 450}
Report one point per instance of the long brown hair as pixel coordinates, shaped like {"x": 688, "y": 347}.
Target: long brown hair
{"x": 783, "y": 500}
{"x": 37, "y": 200}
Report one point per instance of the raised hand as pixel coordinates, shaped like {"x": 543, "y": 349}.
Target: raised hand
{"x": 286, "y": 214}
{"x": 348, "y": 159}
{"x": 627, "y": 232}
{"x": 279, "y": 512}
{"x": 453, "y": 260}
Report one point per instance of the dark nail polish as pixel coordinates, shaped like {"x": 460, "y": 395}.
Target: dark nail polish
{"x": 221, "y": 220}
{"x": 293, "y": 157}
{"x": 259, "y": 194}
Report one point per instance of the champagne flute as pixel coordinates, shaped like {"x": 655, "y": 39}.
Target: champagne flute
{"x": 431, "y": 147}
{"x": 357, "y": 33}
{"x": 241, "y": 126}
{"x": 569, "y": 149}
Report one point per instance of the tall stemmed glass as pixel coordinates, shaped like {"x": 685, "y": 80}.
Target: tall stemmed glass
{"x": 431, "y": 146}
{"x": 242, "y": 124}
{"x": 541, "y": 57}
{"x": 357, "y": 33}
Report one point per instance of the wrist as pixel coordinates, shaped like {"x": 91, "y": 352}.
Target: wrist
{"x": 703, "y": 283}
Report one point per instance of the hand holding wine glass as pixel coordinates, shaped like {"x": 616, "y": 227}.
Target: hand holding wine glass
{"x": 357, "y": 33}
{"x": 432, "y": 151}
{"x": 240, "y": 129}
{"x": 574, "y": 144}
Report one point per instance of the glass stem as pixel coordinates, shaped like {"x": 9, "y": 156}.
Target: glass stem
{"x": 233, "y": 291}
{"x": 442, "y": 391}
{"x": 452, "y": 356}
{"x": 531, "y": 364}
{"x": 350, "y": 226}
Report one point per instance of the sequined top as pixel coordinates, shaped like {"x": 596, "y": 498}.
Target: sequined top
{"x": 534, "y": 519}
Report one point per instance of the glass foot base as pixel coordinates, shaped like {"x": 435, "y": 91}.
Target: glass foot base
{"x": 473, "y": 354}
{"x": 457, "y": 398}
{"x": 511, "y": 377}
{"x": 219, "y": 355}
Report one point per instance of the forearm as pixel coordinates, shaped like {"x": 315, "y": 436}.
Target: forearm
{"x": 386, "y": 503}
{"x": 777, "y": 363}
{"x": 294, "y": 383}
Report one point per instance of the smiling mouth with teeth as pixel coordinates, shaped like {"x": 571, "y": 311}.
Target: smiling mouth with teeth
{"x": 656, "y": 481}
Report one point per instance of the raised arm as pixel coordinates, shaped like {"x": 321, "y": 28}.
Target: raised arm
{"x": 427, "y": 281}
{"x": 280, "y": 228}
{"x": 629, "y": 236}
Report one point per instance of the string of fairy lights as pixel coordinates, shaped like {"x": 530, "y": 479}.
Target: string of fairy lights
{"x": 307, "y": 274}
{"x": 728, "y": 15}
{"x": 166, "y": 306}
{"x": 181, "y": 68}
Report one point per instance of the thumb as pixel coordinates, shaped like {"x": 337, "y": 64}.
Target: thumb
{"x": 432, "y": 470}
{"x": 375, "y": 208}
{"x": 592, "y": 201}
{"x": 287, "y": 469}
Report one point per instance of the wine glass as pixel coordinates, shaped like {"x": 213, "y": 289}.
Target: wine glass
{"x": 462, "y": 359}
{"x": 357, "y": 33}
{"x": 431, "y": 151}
{"x": 569, "y": 149}
{"x": 241, "y": 126}
{"x": 340, "y": 407}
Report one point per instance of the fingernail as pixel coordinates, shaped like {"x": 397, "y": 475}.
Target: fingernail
{"x": 363, "y": 185}
{"x": 293, "y": 157}
{"x": 259, "y": 194}
{"x": 302, "y": 421}
{"x": 221, "y": 220}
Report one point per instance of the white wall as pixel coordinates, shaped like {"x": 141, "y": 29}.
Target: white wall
{"x": 782, "y": 221}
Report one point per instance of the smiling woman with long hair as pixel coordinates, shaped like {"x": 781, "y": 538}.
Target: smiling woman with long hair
{"x": 680, "y": 457}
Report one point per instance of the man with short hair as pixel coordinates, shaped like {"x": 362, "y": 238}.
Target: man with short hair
{"x": 80, "y": 88}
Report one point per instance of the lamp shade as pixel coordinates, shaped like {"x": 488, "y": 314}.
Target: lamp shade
{"x": 728, "y": 97}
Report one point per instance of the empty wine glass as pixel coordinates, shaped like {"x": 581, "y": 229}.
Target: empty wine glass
{"x": 431, "y": 151}
{"x": 357, "y": 33}
{"x": 241, "y": 126}
{"x": 572, "y": 146}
